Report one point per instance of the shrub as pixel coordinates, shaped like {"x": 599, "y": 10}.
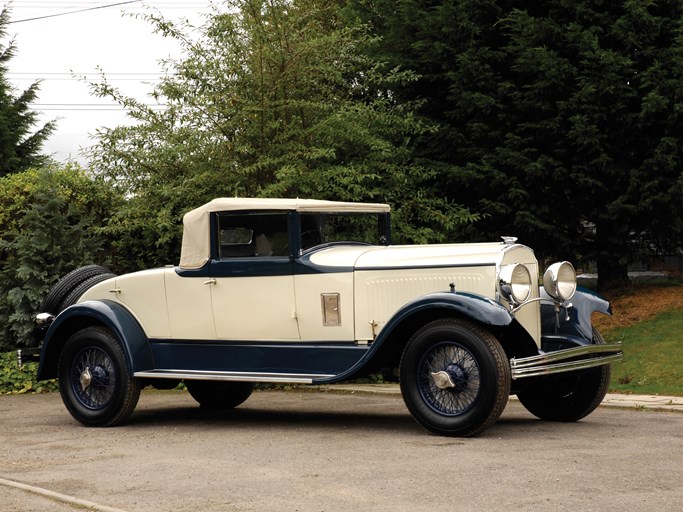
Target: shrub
{"x": 49, "y": 221}
{"x": 15, "y": 380}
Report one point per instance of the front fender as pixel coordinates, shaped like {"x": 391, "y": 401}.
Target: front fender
{"x": 472, "y": 306}
{"x": 475, "y": 307}
{"x": 105, "y": 313}
{"x": 577, "y": 323}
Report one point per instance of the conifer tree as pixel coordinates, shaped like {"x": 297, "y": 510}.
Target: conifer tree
{"x": 20, "y": 146}
{"x": 559, "y": 122}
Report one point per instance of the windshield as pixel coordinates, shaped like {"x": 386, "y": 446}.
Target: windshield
{"x": 325, "y": 228}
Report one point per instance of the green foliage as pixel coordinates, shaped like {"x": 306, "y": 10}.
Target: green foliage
{"x": 17, "y": 380}
{"x": 653, "y": 360}
{"x": 558, "y": 122}
{"x": 19, "y": 148}
{"x": 271, "y": 98}
{"x": 49, "y": 225}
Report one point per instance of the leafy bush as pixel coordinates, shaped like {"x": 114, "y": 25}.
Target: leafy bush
{"x": 49, "y": 225}
{"x": 15, "y": 380}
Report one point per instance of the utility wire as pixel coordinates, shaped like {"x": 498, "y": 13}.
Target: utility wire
{"x": 77, "y": 11}
{"x": 41, "y": 4}
{"x": 70, "y": 77}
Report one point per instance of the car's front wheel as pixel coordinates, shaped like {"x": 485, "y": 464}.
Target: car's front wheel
{"x": 94, "y": 381}
{"x": 567, "y": 396}
{"x": 218, "y": 394}
{"x": 455, "y": 377}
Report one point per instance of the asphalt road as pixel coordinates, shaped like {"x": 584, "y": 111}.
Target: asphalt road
{"x": 293, "y": 451}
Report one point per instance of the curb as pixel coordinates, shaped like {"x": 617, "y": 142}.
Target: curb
{"x": 644, "y": 402}
{"x": 614, "y": 400}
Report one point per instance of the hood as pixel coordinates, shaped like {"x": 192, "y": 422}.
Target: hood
{"x": 410, "y": 256}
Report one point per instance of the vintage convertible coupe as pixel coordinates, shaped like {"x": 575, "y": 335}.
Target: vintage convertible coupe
{"x": 308, "y": 291}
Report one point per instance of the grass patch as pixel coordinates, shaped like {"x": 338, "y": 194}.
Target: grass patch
{"x": 653, "y": 355}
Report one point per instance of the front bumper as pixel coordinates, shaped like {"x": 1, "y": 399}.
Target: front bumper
{"x": 566, "y": 360}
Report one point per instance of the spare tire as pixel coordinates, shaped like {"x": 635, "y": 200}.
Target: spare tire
{"x": 81, "y": 288}
{"x": 57, "y": 296}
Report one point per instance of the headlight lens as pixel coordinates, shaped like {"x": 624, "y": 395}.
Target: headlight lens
{"x": 514, "y": 283}
{"x": 560, "y": 280}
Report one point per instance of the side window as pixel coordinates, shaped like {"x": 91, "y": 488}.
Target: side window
{"x": 244, "y": 235}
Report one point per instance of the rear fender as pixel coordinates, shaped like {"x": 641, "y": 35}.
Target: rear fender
{"x": 103, "y": 313}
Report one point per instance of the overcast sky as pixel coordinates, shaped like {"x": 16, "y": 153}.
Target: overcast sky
{"x": 55, "y": 42}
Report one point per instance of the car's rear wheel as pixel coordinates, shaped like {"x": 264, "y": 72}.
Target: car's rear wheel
{"x": 218, "y": 394}
{"x": 455, "y": 378}
{"x": 567, "y": 396}
{"x": 94, "y": 381}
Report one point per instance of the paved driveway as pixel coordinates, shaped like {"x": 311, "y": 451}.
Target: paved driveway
{"x": 292, "y": 451}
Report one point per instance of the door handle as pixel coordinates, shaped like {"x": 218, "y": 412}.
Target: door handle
{"x": 210, "y": 281}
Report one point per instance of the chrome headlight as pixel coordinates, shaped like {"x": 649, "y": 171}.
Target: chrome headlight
{"x": 560, "y": 281}
{"x": 514, "y": 283}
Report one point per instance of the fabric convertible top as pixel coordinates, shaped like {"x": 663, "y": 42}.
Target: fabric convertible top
{"x": 196, "y": 232}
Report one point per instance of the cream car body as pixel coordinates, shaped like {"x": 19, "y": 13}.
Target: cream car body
{"x": 168, "y": 306}
{"x": 306, "y": 291}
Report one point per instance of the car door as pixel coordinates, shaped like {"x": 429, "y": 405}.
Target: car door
{"x": 251, "y": 281}
{"x": 188, "y": 300}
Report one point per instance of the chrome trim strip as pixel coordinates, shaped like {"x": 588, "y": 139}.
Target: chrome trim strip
{"x": 231, "y": 376}
{"x": 556, "y": 362}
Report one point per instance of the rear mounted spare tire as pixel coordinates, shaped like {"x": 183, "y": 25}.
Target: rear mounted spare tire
{"x": 83, "y": 287}
{"x": 55, "y": 300}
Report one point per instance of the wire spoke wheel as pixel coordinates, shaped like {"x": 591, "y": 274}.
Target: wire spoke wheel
{"x": 455, "y": 377}
{"x": 93, "y": 378}
{"x": 94, "y": 381}
{"x": 463, "y": 370}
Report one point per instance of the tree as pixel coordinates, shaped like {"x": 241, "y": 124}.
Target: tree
{"x": 19, "y": 147}
{"x": 557, "y": 121}
{"x": 273, "y": 98}
{"x": 50, "y": 221}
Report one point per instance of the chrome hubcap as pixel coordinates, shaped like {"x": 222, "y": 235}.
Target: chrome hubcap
{"x": 442, "y": 380}
{"x": 85, "y": 379}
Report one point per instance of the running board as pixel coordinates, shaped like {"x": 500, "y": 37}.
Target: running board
{"x": 295, "y": 378}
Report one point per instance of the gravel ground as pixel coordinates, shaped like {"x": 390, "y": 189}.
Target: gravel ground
{"x": 293, "y": 451}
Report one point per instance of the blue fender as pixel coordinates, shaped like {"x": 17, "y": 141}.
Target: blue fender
{"x": 584, "y": 303}
{"x": 476, "y": 307}
{"x": 468, "y": 305}
{"x": 104, "y": 313}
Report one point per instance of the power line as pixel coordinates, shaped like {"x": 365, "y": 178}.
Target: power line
{"x": 41, "y": 79}
{"x": 40, "y": 4}
{"x": 93, "y": 75}
{"x": 87, "y": 107}
{"x": 75, "y": 12}
{"x": 77, "y": 109}
{"x": 64, "y": 73}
